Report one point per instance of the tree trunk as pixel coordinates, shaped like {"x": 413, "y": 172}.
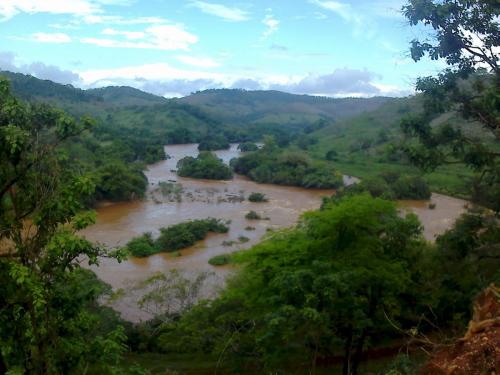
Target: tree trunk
{"x": 346, "y": 363}
{"x": 3, "y": 366}
{"x": 357, "y": 354}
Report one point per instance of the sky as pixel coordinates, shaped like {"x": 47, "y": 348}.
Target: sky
{"x": 175, "y": 47}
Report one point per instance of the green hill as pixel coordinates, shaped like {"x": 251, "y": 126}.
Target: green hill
{"x": 368, "y": 144}
{"x": 275, "y": 107}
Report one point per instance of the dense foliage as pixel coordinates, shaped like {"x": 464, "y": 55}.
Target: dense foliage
{"x": 175, "y": 237}
{"x": 391, "y": 186}
{"x": 274, "y": 165}
{"x": 205, "y": 165}
{"x": 466, "y": 37}
{"x": 47, "y": 325}
{"x": 353, "y": 276}
{"x": 247, "y": 147}
{"x": 214, "y": 143}
{"x": 321, "y": 289}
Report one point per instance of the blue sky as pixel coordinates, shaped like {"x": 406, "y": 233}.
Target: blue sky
{"x": 174, "y": 47}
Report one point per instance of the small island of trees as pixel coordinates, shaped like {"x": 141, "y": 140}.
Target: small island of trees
{"x": 175, "y": 237}
{"x": 205, "y": 165}
{"x": 274, "y": 165}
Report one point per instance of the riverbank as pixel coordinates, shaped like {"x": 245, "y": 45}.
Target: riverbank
{"x": 189, "y": 199}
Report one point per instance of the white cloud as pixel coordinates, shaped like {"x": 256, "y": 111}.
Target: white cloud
{"x": 10, "y": 8}
{"x": 343, "y": 10}
{"x": 119, "y": 20}
{"x": 272, "y": 25}
{"x": 197, "y": 61}
{"x": 160, "y": 37}
{"x": 8, "y": 61}
{"x": 222, "y": 11}
{"x": 131, "y": 35}
{"x": 163, "y": 78}
{"x": 88, "y": 11}
{"x": 158, "y": 72}
{"x": 362, "y": 26}
{"x": 51, "y": 37}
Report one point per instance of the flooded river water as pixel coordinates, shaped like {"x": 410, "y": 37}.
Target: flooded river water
{"x": 118, "y": 223}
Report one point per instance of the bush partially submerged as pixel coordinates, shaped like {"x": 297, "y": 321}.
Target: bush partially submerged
{"x": 175, "y": 237}
{"x": 257, "y": 197}
{"x": 247, "y": 147}
{"x": 252, "y": 215}
{"x": 220, "y": 260}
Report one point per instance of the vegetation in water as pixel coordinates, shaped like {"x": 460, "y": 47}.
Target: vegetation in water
{"x": 257, "y": 197}
{"x": 220, "y": 260}
{"x": 252, "y": 215}
{"x": 205, "y": 165}
{"x": 352, "y": 277}
{"x": 390, "y": 185}
{"x": 247, "y": 147}
{"x": 285, "y": 167}
{"x": 175, "y": 237}
{"x": 214, "y": 143}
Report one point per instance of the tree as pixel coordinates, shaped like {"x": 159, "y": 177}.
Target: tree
{"x": 44, "y": 323}
{"x": 466, "y": 35}
{"x": 324, "y": 287}
{"x": 205, "y": 165}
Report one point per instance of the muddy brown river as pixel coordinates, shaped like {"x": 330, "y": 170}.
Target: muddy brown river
{"x": 198, "y": 199}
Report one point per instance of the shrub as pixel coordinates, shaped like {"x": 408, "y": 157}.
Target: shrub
{"x": 273, "y": 165}
{"x": 257, "y": 197}
{"x": 214, "y": 143}
{"x": 243, "y": 239}
{"x": 252, "y": 215}
{"x": 331, "y": 155}
{"x": 206, "y": 165}
{"x": 142, "y": 246}
{"x": 183, "y": 235}
{"x": 411, "y": 187}
{"x": 175, "y": 237}
{"x": 247, "y": 147}
{"x": 220, "y": 260}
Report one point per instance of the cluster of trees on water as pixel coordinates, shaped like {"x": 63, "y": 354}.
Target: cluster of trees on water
{"x": 353, "y": 275}
{"x": 175, "y": 237}
{"x": 214, "y": 143}
{"x": 247, "y": 146}
{"x": 271, "y": 164}
{"x": 205, "y": 165}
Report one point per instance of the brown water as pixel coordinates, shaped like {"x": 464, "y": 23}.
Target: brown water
{"x": 436, "y": 221}
{"x": 120, "y": 222}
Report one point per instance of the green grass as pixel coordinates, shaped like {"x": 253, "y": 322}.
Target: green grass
{"x": 450, "y": 180}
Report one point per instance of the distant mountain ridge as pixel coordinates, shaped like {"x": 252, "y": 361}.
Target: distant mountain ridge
{"x": 261, "y": 106}
{"x": 233, "y": 106}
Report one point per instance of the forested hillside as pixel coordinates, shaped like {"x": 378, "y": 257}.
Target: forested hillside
{"x": 372, "y": 142}
{"x": 277, "y": 107}
{"x": 338, "y": 280}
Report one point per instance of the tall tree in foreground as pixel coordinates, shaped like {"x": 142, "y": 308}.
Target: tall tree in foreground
{"x": 306, "y": 294}
{"x": 466, "y": 35}
{"x": 45, "y": 327}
